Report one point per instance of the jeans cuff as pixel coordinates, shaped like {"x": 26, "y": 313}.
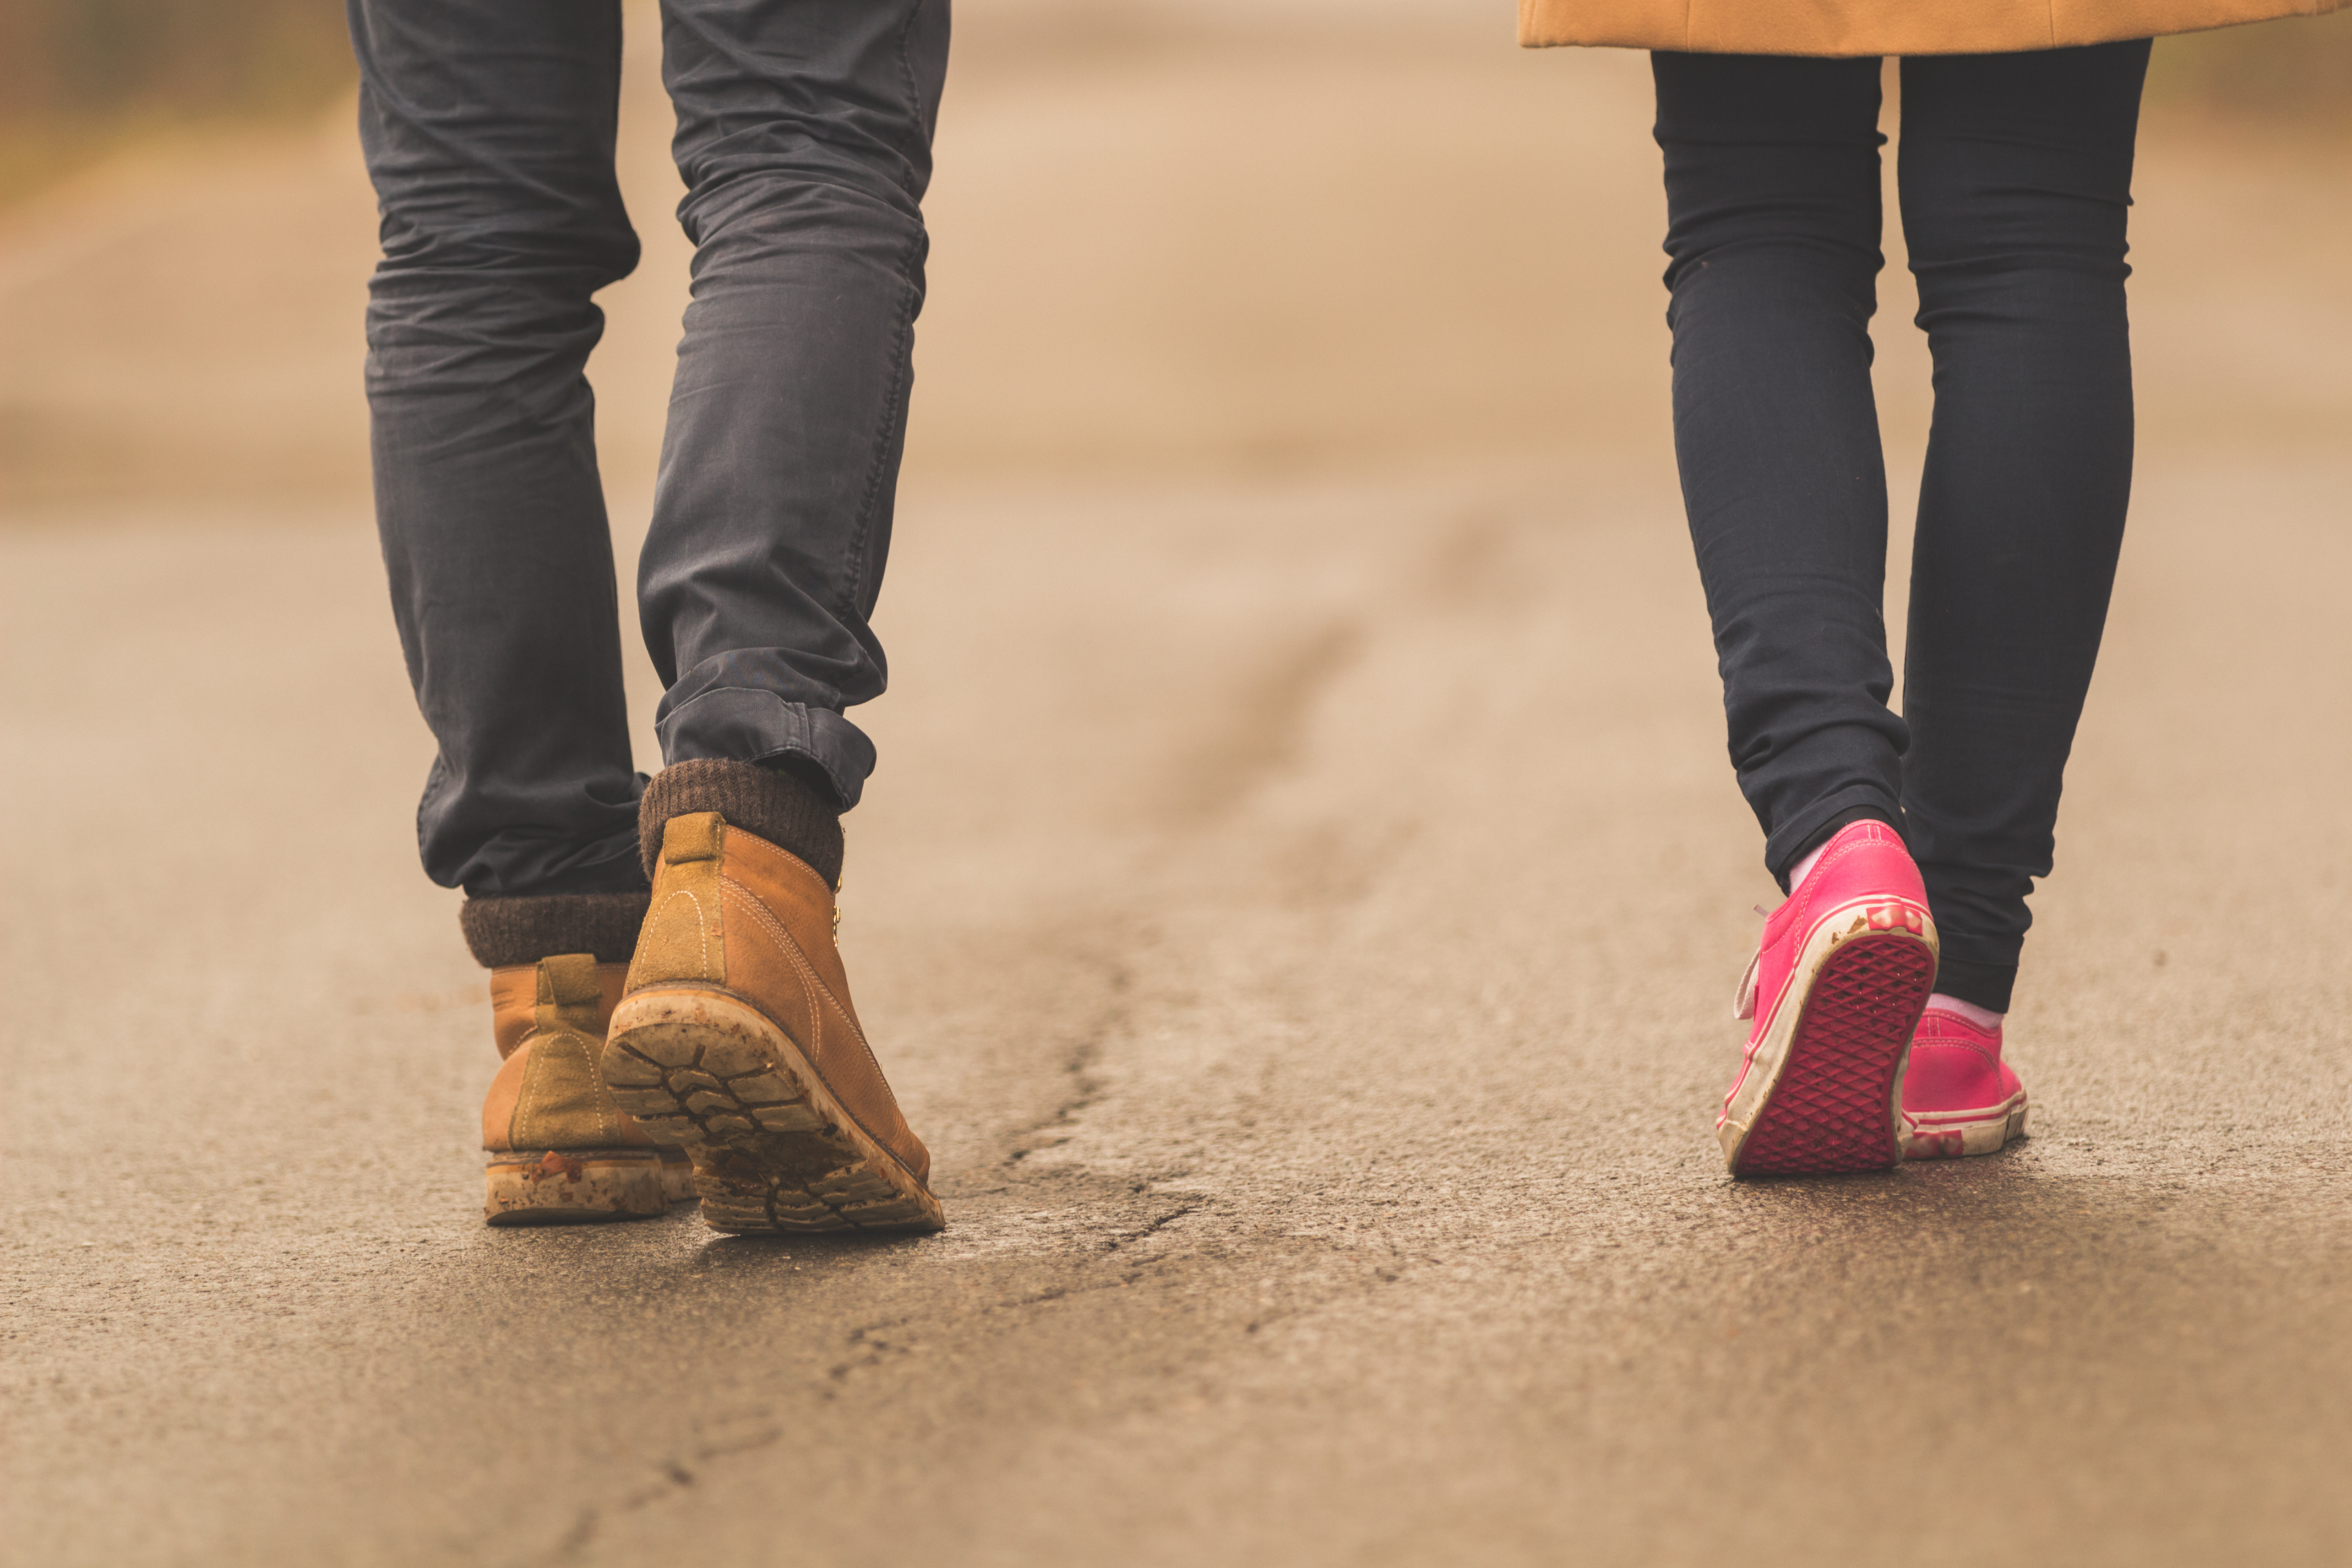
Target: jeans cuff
{"x": 745, "y": 725}
{"x": 515, "y": 864}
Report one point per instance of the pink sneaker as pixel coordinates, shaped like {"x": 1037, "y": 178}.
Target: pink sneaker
{"x": 1958, "y": 1097}
{"x": 1835, "y": 989}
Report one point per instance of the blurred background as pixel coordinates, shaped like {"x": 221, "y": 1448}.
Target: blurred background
{"x": 1310, "y": 979}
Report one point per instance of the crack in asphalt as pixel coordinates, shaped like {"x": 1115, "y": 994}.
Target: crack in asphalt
{"x": 1078, "y": 1065}
{"x": 1156, "y": 1226}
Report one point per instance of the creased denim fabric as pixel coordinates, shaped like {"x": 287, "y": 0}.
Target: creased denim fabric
{"x": 804, "y": 135}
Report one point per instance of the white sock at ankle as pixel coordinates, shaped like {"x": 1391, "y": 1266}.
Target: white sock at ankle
{"x": 1806, "y": 862}
{"x": 1984, "y": 1018}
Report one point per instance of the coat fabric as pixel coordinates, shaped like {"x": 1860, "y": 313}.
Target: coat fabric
{"x": 1848, "y": 28}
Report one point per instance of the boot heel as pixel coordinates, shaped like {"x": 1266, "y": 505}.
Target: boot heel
{"x": 566, "y": 1186}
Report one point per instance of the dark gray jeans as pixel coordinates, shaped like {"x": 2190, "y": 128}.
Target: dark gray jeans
{"x": 804, "y": 135}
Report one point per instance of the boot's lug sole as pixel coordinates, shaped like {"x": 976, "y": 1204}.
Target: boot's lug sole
{"x": 571, "y": 1187}
{"x": 772, "y": 1149}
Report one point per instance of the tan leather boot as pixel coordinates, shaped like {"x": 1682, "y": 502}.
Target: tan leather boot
{"x": 560, "y": 1149}
{"x": 736, "y": 1037}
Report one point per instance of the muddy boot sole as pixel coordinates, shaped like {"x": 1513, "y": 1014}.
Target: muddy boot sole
{"x": 573, "y": 1186}
{"x": 773, "y": 1150}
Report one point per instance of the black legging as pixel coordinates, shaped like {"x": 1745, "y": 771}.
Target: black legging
{"x": 2015, "y": 173}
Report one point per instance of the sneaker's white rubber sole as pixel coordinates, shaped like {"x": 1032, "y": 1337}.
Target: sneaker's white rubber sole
{"x": 1954, "y": 1134}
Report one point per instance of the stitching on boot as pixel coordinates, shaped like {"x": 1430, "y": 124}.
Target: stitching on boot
{"x": 818, "y": 991}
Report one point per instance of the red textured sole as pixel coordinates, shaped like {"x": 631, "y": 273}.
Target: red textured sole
{"x": 1833, "y": 1108}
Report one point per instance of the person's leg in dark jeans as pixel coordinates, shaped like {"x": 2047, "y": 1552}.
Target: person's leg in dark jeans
{"x": 2015, "y": 175}
{"x": 1773, "y": 182}
{"x": 489, "y": 132}
{"x": 804, "y": 135}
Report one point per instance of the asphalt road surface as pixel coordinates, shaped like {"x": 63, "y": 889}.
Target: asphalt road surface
{"x": 1299, "y": 906}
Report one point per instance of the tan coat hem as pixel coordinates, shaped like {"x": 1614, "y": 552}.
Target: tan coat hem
{"x": 1862, "y": 27}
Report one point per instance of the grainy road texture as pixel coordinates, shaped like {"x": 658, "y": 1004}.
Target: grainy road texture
{"x": 1298, "y": 905}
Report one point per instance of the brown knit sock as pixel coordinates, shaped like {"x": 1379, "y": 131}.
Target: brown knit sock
{"x": 504, "y": 931}
{"x": 790, "y": 814}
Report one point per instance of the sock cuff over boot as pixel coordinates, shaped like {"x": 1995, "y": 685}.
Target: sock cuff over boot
{"x": 795, "y": 816}
{"x": 506, "y": 932}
